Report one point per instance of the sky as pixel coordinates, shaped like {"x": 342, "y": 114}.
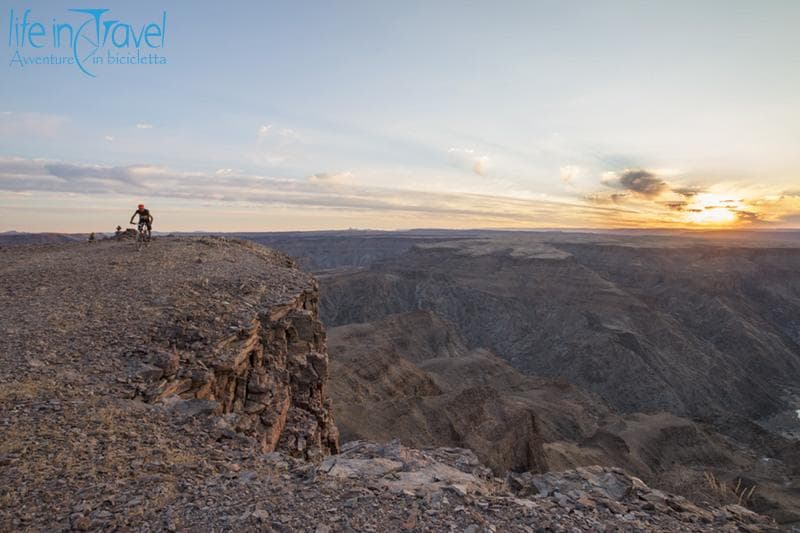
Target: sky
{"x": 390, "y": 115}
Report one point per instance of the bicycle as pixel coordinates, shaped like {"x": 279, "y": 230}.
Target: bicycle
{"x": 142, "y": 237}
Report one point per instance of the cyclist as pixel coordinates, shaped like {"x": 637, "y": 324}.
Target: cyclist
{"x": 145, "y": 218}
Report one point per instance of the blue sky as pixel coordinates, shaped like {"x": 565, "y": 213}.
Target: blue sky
{"x": 310, "y": 115}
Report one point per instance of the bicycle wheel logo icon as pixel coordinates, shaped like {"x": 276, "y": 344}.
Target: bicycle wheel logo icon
{"x": 85, "y": 43}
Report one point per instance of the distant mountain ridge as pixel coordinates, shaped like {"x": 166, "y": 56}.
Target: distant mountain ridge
{"x": 14, "y": 238}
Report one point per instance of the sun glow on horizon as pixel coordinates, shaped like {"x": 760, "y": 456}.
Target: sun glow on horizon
{"x": 714, "y": 209}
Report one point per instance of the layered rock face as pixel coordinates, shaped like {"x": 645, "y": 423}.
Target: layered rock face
{"x": 269, "y": 378}
{"x": 396, "y": 378}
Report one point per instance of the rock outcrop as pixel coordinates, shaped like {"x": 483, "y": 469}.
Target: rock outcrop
{"x": 201, "y": 325}
{"x": 269, "y": 379}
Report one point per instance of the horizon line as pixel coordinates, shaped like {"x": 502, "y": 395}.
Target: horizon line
{"x": 442, "y": 229}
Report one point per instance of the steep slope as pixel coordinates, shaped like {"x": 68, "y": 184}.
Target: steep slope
{"x": 381, "y": 393}
{"x": 692, "y": 331}
{"x": 388, "y": 383}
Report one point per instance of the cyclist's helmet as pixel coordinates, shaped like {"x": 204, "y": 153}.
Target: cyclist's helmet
{"x": 141, "y": 206}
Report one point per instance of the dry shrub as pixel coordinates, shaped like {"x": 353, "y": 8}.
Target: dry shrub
{"x": 730, "y": 492}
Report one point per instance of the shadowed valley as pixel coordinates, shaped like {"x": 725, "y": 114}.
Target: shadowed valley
{"x": 673, "y": 356}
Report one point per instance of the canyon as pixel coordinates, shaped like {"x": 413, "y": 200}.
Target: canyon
{"x": 671, "y": 355}
{"x": 416, "y": 381}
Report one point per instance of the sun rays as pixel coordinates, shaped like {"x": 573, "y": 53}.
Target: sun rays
{"x": 713, "y": 209}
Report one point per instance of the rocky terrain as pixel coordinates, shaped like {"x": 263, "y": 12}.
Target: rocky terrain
{"x": 411, "y": 377}
{"x": 185, "y": 387}
{"x": 688, "y": 342}
{"x": 97, "y": 333}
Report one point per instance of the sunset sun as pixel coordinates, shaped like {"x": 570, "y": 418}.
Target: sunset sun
{"x": 713, "y": 209}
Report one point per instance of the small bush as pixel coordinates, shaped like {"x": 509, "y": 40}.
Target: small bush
{"x": 729, "y": 492}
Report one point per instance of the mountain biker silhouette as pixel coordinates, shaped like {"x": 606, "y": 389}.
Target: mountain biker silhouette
{"x": 144, "y": 218}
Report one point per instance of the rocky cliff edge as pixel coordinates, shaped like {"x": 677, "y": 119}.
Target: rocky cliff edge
{"x": 183, "y": 387}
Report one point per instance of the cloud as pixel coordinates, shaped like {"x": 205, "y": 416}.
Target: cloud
{"x": 619, "y": 197}
{"x": 643, "y": 183}
{"x": 570, "y": 172}
{"x": 109, "y": 138}
{"x": 317, "y": 191}
{"x": 479, "y": 167}
{"x": 331, "y": 178}
{"x": 653, "y": 196}
{"x": 689, "y": 191}
{"x": 647, "y": 185}
{"x": 22, "y": 175}
{"x": 637, "y": 183}
{"x": 268, "y": 130}
{"x": 596, "y": 198}
{"x": 679, "y": 205}
{"x": 614, "y": 198}
{"x": 750, "y": 217}
{"x": 338, "y": 190}
{"x": 100, "y": 178}
{"x": 468, "y": 158}
{"x": 144, "y": 126}
{"x": 277, "y": 146}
